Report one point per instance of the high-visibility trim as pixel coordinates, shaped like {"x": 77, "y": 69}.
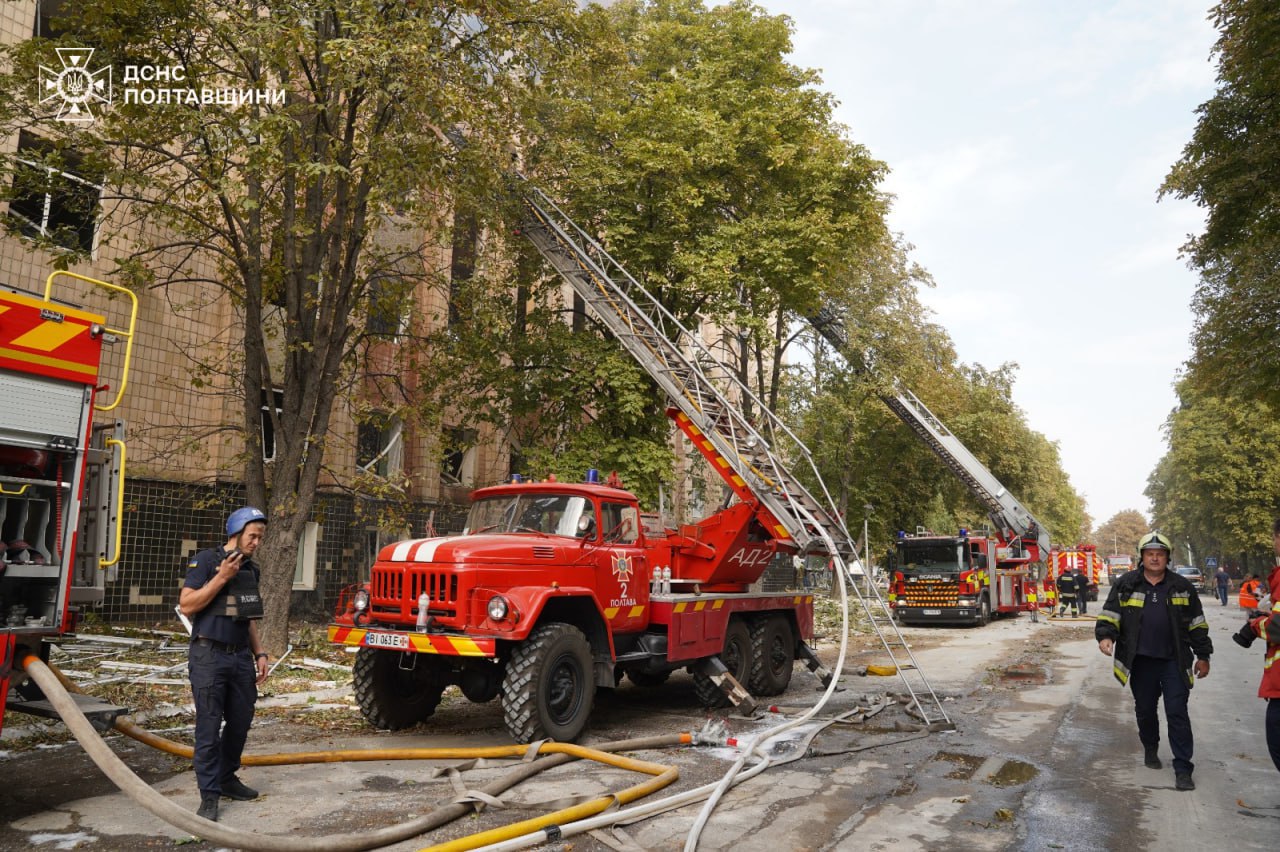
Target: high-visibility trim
{"x": 719, "y": 604}
{"x": 1121, "y": 672}
{"x": 1137, "y": 600}
{"x": 47, "y": 361}
{"x": 1271, "y": 658}
{"x": 1110, "y": 619}
{"x": 421, "y": 643}
{"x": 49, "y": 335}
{"x": 1180, "y": 600}
{"x": 633, "y": 612}
{"x": 1199, "y": 623}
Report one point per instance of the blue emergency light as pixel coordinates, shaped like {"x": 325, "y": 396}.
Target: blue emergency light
{"x": 516, "y": 479}
{"x": 593, "y": 476}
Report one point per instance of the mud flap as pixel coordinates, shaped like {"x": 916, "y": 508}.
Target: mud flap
{"x": 804, "y": 652}
{"x": 729, "y": 685}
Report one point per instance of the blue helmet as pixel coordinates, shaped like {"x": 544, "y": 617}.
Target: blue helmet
{"x": 241, "y": 518}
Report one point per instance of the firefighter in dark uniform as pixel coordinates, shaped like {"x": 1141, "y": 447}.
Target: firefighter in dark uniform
{"x": 226, "y": 661}
{"x": 1153, "y": 627}
{"x": 1082, "y": 589}
{"x": 1067, "y": 593}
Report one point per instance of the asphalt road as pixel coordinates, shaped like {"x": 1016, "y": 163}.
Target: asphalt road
{"x": 1044, "y": 756}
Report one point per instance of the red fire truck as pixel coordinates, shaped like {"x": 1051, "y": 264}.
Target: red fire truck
{"x": 964, "y": 578}
{"x": 61, "y": 477}
{"x": 555, "y": 588}
{"x": 1083, "y": 557}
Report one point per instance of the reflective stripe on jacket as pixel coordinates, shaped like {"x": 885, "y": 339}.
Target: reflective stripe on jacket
{"x": 1121, "y": 622}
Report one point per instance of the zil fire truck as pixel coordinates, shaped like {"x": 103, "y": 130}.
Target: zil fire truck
{"x": 557, "y": 588}
{"x": 61, "y": 477}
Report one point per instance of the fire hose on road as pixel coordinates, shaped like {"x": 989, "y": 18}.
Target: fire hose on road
{"x": 123, "y": 777}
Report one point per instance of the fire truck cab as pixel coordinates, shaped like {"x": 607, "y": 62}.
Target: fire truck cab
{"x": 966, "y": 578}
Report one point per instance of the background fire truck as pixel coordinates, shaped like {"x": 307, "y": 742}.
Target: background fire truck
{"x": 964, "y": 578}
{"x": 61, "y": 478}
{"x": 1117, "y": 565}
{"x": 1083, "y": 556}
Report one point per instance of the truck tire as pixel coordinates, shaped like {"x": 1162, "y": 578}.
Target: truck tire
{"x": 773, "y": 655}
{"x": 549, "y": 686}
{"x": 392, "y": 698}
{"x": 984, "y": 611}
{"x": 736, "y": 656}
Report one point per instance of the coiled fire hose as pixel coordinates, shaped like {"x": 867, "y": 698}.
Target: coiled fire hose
{"x": 55, "y": 688}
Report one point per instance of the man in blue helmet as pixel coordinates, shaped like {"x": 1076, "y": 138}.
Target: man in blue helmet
{"x": 1154, "y": 628}
{"x": 225, "y": 661}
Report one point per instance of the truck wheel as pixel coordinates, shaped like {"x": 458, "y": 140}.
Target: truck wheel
{"x": 390, "y": 697}
{"x": 984, "y": 611}
{"x": 549, "y": 686}
{"x": 736, "y": 656}
{"x": 773, "y": 655}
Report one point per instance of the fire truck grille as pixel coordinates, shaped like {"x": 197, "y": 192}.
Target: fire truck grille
{"x": 931, "y": 593}
{"x": 395, "y": 591}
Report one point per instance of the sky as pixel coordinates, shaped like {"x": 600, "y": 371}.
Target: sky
{"x": 1027, "y": 141}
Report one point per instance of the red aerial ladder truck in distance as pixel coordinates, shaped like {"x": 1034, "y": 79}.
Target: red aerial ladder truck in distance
{"x": 557, "y": 588}
{"x": 61, "y": 478}
{"x": 971, "y": 576}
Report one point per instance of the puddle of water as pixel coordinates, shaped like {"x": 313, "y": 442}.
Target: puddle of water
{"x": 1025, "y": 673}
{"x": 1013, "y": 773}
{"x": 966, "y": 764}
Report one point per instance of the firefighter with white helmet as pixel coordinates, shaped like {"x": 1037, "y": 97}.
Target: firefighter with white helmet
{"x": 226, "y": 661}
{"x": 1154, "y": 628}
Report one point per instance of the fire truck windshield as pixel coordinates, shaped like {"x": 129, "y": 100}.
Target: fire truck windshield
{"x": 930, "y": 557}
{"x": 552, "y": 514}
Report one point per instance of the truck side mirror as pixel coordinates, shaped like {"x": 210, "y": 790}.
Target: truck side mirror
{"x": 586, "y": 527}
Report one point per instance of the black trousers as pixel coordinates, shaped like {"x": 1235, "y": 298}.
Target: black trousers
{"x": 224, "y": 686}
{"x": 1273, "y": 730}
{"x": 1152, "y": 679}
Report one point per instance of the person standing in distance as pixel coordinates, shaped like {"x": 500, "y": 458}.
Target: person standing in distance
{"x": 225, "y": 660}
{"x": 1222, "y": 581}
{"x": 1152, "y": 625}
{"x": 1267, "y": 627}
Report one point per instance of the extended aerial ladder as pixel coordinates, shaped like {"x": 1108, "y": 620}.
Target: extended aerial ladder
{"x": 709, "y": 398}
{"x": 1013, "y": 521}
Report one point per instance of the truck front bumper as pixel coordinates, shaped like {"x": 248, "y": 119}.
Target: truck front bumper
{"x": 452, "y": 645}
{"x": 960, "y": 614}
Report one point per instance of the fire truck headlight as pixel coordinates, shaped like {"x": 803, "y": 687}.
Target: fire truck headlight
{"x": 361, "y": 600}
{"x": 498, "y": 608}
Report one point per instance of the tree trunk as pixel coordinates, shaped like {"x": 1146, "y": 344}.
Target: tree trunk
{"x": 278, "y": 558}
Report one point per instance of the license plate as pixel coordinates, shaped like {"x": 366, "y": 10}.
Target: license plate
{"x": 932, "y": 612}
{"x": 386, "y": 640}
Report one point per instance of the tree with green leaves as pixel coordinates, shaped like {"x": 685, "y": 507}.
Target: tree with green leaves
{"x": 712, "y": 168}
{"x": 1218, "y": 487}
{"x": 1231, "y": 168}
{"x": 320, "y": 194}
{"x": 1120, "y": 533}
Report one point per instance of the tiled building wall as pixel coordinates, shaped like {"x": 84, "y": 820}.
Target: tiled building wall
{"x": 166, "y": 522}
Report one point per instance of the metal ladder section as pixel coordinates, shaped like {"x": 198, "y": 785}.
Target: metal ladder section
{"x": 698, "y": 382}
{"x": 1005, "y": 510}
{"x": 1001, "y": 505}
